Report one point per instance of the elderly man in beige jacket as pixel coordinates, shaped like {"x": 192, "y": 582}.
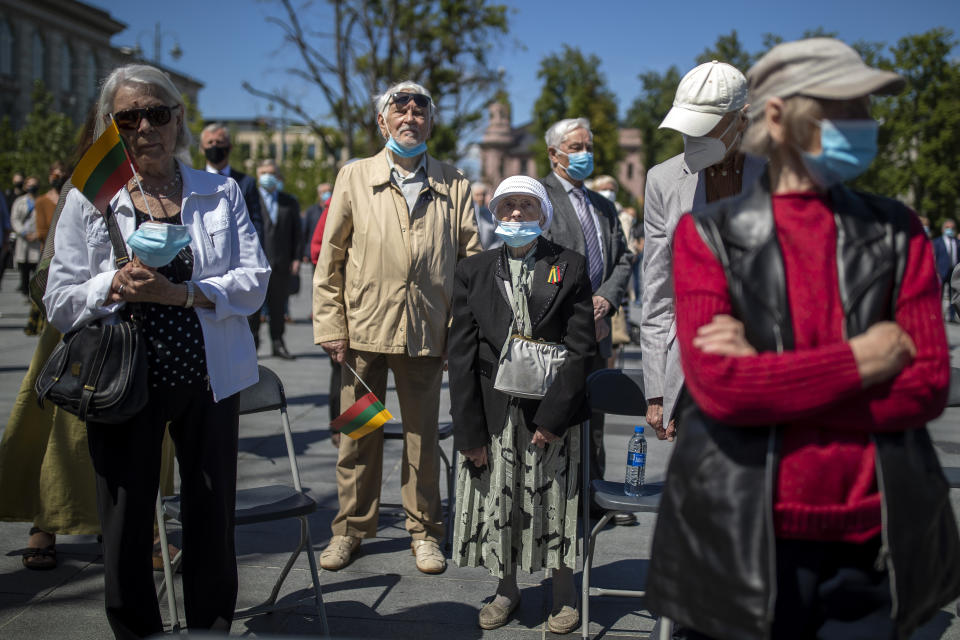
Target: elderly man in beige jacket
{"x": 397, "y": 226}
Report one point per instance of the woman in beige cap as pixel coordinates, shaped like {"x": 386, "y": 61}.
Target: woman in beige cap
{"x": 804, "y": 498}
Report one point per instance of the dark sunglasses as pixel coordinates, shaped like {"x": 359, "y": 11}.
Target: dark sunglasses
{"x": 156, "y": 116}
{"x": 401, "y": 98}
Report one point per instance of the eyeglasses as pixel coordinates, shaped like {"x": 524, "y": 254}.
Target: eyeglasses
{"x": 156, "y": 116}
{"x": 401, "y": 98}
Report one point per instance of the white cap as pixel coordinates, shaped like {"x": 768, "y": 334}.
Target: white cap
{"x": 704, "y": 96}
{"x": 523, "y": 185}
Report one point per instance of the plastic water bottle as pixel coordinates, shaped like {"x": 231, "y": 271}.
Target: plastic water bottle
{"x": 636, "y": 462}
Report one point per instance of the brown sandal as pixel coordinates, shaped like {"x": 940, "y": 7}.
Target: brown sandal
{"x": 40, "y": 558}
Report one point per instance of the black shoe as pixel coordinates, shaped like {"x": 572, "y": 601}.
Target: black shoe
{"x": 624, "y": 519}
{"x": 280, "y": 351}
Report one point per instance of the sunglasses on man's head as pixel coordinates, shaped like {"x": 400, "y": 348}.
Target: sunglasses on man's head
{"x": 401, "y": 98}
{"x": 156, "y": 116}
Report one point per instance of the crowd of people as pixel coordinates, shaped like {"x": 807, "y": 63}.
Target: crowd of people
{"x": 791, "y": 335}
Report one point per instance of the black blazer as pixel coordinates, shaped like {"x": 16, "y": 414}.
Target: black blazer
{"x": 282, "y": 241}
{"x": 251, "y": 195}
{"x": 560, "y": 312}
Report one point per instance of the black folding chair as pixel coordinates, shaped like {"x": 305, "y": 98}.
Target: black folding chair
{"x": 258, "y": 504}
{"x": 620, "y": 392}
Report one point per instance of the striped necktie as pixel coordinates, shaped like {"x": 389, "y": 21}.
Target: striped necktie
{"x": 594, "y": 256}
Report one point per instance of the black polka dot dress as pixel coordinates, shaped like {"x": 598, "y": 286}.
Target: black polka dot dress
{"x": 175, "y": 351}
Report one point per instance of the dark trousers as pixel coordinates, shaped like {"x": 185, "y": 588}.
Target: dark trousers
{"x": 126, "y": 459}
{"x": 278, "y": 290}
{"x": 829, "y": 591}
{"x": 26, "y": 272}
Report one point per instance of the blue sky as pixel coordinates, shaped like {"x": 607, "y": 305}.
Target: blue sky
{"x": 225, "y": 43}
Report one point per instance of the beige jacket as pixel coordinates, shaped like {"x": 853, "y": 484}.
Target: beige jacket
{"x": 384, "y": 278}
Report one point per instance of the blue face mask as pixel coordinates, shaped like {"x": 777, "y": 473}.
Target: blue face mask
{"x": 269, "y": 182}
{"x": 405, "y": 152}
{"x": 847, "y": 149}
{"x": 949, "y": 232}
{"x": 581, "y": 164}
{"x": 518, "y": 234}
{"x": 325, "y": 197}
{"x": 157, "y": 243}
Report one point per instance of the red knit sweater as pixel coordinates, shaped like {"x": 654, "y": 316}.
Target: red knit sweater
{"x": 826, "y": 483}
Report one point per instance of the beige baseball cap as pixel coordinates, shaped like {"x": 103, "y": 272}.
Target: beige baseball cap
{"x": 704, "y": 96}
{"x": 817, "y": 67}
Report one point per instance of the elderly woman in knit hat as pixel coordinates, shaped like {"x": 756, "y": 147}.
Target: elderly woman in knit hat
{"x": 517, "y": 488}
{"x": 804, "y": 498}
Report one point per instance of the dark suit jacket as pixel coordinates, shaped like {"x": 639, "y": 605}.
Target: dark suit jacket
{"x": 251, "y": 195}
{"x": 942, "y": 256}
{"x": 560, "y": 312}
{"x": 567, "y": 231}
{"x": 282, "y": 241}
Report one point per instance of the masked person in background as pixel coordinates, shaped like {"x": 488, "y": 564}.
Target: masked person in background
{"x": 586, "y": 222}
{"x": 26, "y": 252}
{"x": 197, "y": 272}
{"x": 216, "y": 146}
{"x": 804, "y": 498}
{"x": 518, "y": 481}
{"x": 946, "y": 254}
{"x": 709, "y": 110}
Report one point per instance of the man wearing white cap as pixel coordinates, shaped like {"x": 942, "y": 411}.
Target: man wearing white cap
{"x": 709, "y": 111}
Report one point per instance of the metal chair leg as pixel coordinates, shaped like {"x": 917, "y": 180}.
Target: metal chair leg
{"x": 666, "y": 628}
{"x": 315, "y": 577}
{"x": 167, "y": 569}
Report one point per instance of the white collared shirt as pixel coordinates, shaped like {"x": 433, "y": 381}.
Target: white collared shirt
{"x": 410, "y": 184}
{"x": 224, "y": 172}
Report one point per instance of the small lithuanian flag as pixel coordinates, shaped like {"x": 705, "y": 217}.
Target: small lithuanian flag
{"x": 367, "y": 414}
{"x": 104, "y": 169}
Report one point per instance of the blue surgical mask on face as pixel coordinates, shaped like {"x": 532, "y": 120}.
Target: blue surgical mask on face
{"x": 949, "y": 232}
{"x": 157, "y": 243}
{"x": 581, "y": 164}
{"x": 269, "y": 182}
{"x": 518, "y": 234}
{"x": 847, "y": 148}
{"x": 405, "y": 152}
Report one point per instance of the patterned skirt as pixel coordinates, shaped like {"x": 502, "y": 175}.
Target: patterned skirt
{"x": 520, "y": 511}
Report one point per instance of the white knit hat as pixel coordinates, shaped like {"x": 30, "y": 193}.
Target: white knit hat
{"x": 523, "y": 185}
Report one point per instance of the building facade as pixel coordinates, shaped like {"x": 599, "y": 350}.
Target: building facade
{"x": 67, "y": 46}
{"x": 505, "y": 150}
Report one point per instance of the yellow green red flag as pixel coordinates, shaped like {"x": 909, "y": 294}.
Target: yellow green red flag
{"x": 367, "y": 414}
{"x": 103, "y": 169}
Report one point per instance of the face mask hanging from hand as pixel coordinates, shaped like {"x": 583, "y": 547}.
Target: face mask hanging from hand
{"x": 157, "y": 243}
{"x": 705, "y": 151}
{"x": 581, "y": 164}
{"x": 518, "y": 234}
{"x": 847, "y": 148}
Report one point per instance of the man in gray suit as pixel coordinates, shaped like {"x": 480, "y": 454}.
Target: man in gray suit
{"x": 710, "y": 111}
{"x": 586, "y": 222}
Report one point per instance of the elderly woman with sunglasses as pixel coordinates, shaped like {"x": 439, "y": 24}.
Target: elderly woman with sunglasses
{"x": 804, "y": 498}
{"x": 194, "y": 279}
{"x": 517, "y": 489}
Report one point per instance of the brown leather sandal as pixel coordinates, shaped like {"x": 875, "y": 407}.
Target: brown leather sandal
{"x": 40, "y": 558}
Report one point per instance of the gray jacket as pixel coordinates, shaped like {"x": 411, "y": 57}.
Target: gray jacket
{"x": 672, "y": 190}
{"x": 567, "y": 231}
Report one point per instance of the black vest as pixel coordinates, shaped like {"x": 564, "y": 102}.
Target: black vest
{"x": 713, "y": 559}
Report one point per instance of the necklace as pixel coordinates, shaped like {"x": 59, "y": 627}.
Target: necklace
{"x": 166, "y": 190}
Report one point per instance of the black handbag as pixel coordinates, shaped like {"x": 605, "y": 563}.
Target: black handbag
{"x": 98, "y": 372}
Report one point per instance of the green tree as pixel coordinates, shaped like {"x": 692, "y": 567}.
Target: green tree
{"x": 920, "y": 127}
{"x": 648, "y": 111}
{"x": 729, "y": 49}
{"x": 574, "y": 87}
{"x": 356, "y": 48}
{"x": 46, "y": 136}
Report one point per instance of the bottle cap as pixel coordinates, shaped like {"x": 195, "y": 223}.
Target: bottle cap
{"x": 638, "y": 429}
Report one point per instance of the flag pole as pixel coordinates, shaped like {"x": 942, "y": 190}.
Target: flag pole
{"x": 134, "y": 169}
{"x": 344, "y": 363}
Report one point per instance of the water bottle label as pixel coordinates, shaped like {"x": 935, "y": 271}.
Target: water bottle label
{"x": 636, "y": 459}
